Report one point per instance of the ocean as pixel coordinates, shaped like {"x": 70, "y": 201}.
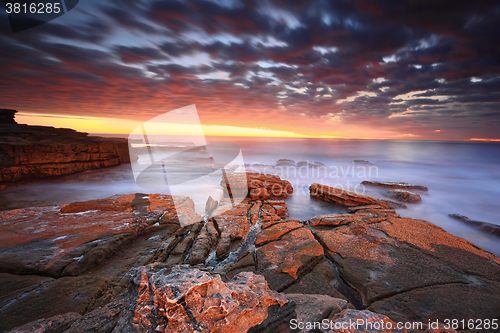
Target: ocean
{"x": 462, "y": 177}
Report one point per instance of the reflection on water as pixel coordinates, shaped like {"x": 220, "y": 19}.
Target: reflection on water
{"x": 462, "y": 178}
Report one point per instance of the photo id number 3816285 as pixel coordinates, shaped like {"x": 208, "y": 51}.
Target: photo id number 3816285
{"x": 32, "y": 8}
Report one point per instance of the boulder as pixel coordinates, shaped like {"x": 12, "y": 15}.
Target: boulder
{"x": 347, "y": 198}
{"x": 396, "y": 185}
{"x": 321, "y": 279}
{"x": 485, "y": 226}
{"x": 259, "y": 186}
{"x": 404, "y": 196}
{"x": 275, "y": 232}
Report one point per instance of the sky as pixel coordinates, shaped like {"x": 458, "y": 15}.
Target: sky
{"x": 394, "y": 69}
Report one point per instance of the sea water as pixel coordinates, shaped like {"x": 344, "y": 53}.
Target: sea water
{"x": 462, "y": 177}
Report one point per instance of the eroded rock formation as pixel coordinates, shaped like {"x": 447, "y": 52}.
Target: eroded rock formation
{"x": 32, "y": 152}
{"x": 251, "y": 267}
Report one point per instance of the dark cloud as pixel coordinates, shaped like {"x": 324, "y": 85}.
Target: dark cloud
{"x": 274, "y": 57}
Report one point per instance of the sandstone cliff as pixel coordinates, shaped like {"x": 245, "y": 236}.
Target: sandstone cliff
{"x": 31, "y": 152}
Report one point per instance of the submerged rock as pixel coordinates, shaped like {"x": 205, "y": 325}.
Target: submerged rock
{"x": 285, "y": 162}
{"x": 485, "y": 226}
{"x": 313, "y": 164}
{"x": 361, "y": 162}
{"x": 396, "y": 185}
{"x": 404, "y": 196}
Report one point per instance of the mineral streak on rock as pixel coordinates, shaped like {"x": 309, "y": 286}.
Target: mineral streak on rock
{"x": 396, "y": 185}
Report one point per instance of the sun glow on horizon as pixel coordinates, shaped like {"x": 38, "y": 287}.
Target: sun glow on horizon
{"x": 101, "y": 125}
{"x": 124, "y": 127}
{"x": 484, "y": 139}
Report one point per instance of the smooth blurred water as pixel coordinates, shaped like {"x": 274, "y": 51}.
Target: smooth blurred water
{"x": 462, "y": 177}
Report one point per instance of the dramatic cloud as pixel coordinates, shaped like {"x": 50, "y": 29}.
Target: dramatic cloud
{"x": 387, "y": 69}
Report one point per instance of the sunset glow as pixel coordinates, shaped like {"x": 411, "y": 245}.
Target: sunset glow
{"x": 323, "y": 70}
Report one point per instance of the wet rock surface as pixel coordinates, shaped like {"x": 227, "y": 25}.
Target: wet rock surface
{"x": 252, "y": 267}
{"x": 71, "y": 239}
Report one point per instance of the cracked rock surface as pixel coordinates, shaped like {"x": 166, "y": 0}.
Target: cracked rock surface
{"x": 250, "y": 268}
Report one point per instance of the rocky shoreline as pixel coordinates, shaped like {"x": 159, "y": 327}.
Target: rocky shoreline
{"x": 35, "y": 152}
{"x": 125, "y": 264}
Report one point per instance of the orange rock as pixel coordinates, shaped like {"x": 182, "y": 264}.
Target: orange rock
{"x": 291, "y": 253}
{"x": 188, "y": 299}
{"x": 346, "y": 198}
{"x": 259, "y": 186}
{"x": 275, "y": 232}
{"x": 68, "y": 240}
{"x": 37, "y": 152}
{"x": 398, "y": 264}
